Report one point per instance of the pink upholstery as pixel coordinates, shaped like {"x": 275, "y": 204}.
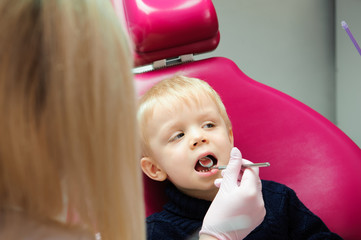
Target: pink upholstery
{"x": 306, "y": 151}
{"x": 156, "y": 35}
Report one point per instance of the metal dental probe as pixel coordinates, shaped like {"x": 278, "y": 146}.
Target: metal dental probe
{"x": 265, "y": 164}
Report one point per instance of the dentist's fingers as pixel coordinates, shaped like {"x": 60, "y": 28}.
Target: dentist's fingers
{"x": 234, "y": 166}
{"x": 238, "y": 207}
{"x": 218, "y": 182}
{"x": 250, "y": 180}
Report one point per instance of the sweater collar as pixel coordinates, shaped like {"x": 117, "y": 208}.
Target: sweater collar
{"x": 184, "y": 205}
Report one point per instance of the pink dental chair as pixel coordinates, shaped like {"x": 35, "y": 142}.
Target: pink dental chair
{"x": 307, "y": 152}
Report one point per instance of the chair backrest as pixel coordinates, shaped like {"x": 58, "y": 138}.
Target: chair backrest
{"x": 307, "y": 152}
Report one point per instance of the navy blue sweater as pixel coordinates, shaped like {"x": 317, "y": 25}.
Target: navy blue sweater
{"x": 286, "y": 217}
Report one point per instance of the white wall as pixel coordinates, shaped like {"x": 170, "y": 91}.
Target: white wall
{"x": 348, "y": 69}
{"x": 290, "y": 45}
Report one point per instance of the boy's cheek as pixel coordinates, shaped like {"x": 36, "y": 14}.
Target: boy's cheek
{"x": 228, "y": 156}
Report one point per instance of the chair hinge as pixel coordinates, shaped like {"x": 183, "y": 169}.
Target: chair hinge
{"x": 164, "y": 63}
{"x": 173, "y": 61}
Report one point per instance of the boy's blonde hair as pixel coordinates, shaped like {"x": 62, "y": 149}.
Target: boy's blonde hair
{"x": 68, "y": 116}
{"x": 169, "y": 93}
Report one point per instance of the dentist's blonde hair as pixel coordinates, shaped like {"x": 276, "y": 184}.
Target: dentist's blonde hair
{"x": 67, "y": 117}
{"x": 171, "y": 92}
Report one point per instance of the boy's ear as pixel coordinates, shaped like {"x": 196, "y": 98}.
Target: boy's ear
{"x": 152, "y": 170}
{"x": 231, "y": 139}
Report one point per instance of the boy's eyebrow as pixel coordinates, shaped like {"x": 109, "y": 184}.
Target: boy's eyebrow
{"x": 175, "y": 123}
{"x": 209, "y": 112}
{"x": 169, "y": 126}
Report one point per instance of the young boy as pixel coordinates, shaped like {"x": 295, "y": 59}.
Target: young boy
{"x": 185, "y": 130}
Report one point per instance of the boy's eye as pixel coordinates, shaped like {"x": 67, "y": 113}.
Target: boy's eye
{"x": 176, "y": 137}
{"x": 209, "y": 125}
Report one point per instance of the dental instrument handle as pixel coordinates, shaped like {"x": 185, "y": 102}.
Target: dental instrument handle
{"x": 345, "y": 26}
{"x": 265, "y": 164}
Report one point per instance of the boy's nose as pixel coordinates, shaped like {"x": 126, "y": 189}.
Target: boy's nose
{"x": 198, "y": 141}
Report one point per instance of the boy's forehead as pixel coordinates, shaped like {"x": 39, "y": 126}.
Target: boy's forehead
{"x": 166, "y": 109}
{"x": 191, "y": 100}
{"x": 168, "y": 115}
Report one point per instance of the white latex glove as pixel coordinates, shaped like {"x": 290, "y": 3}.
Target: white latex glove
{"x": 238, "y": 207}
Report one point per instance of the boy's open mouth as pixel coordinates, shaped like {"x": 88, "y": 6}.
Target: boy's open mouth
{"x": 205, "y": 163}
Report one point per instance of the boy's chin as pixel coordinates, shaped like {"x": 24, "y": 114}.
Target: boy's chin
{"x": 211, "y": 195}
{"x": 208, "y": 194}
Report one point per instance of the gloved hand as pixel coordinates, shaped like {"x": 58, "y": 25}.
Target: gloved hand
{"x": 238, "y": 207}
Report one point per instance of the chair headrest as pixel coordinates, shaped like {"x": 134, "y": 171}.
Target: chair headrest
{"x": 168, "y": 29}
